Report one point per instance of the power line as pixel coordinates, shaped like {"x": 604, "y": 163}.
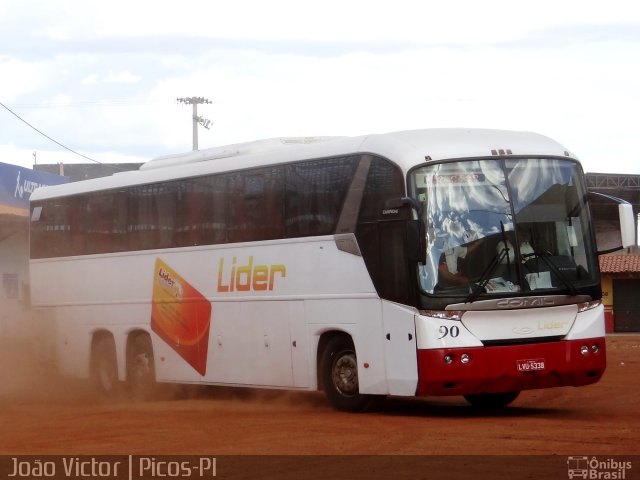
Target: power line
{"x": 47, "y": 136}
{"x": 90, "y": 104}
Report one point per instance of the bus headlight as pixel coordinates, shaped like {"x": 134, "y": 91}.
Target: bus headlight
{"x": 444, "y": 314}
{"x": 583, "y": 307}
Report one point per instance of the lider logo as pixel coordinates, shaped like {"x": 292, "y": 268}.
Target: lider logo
{"x": 169, "y": 282}
{"x": 248, "y": 277}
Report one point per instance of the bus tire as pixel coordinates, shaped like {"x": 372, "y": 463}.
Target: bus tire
{"x": 491, "y": 400}
{"x": 141, "y": 378}
{"x": 339, "y": 370}
{"x": 104, "y": 366}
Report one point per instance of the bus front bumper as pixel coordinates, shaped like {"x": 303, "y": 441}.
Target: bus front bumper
{"x": 510, "y": 368}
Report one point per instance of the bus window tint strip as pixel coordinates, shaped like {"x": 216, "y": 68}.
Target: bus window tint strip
{"x": 283, "y": 201}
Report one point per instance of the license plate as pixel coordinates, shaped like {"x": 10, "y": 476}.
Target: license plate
{"x": 530, "y": 365}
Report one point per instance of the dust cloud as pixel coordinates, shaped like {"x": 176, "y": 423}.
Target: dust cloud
{"x": 24, "y": 380}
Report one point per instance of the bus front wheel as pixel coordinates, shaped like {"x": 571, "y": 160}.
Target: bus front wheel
{"x": 491, "y": 400}
{"x": 339, "y": 368}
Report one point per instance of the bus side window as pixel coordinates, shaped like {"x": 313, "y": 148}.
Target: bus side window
{"x": 97, "y": 224}
{"x": 152, "y": 216}
{"x": 315, "y": 191}
{"x": 201, "y": 212}
{"x": 104, "y": 228}
{"x": 257, "y": 204}
{"x": 138, "y": 224}
{"x": 50, "y": 231}
{"x": 75, "y": 212}
{"x": 237, "y": 209}
{"x": 165, "y": 215}
{"x": 216, "y": 220}
{"x": 191, "y": 203}
{"x": 267, "y": 204}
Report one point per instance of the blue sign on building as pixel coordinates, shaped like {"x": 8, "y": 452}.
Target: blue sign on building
{"x": 17, "y": 184}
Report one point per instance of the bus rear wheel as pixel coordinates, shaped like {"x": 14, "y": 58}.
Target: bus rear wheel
{"x": 141, "y": 376}
{"x": 491, "y": 400}
{"x": 104, "y": 366}
{"x": 339, "y": 368}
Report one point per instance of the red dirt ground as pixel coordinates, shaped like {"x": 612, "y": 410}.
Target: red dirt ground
{"x": 42, "y": 414}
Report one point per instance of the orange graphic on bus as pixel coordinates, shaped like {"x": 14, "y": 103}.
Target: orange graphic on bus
{"x": 181, "y": 316}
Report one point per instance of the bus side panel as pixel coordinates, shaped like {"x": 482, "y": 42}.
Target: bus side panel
{"x": 400, "y": 349}
{"x": 64, "y": 337}
{"x": 68, "y": 348}
{"x": 45, "y": 331}
{"x": 250, "y": 343}
{"x": 169, "y": 366}
{"x": 257, "y": 326}
{"x": 113, "y": 280}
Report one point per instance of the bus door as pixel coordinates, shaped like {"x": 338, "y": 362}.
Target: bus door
{"x": 400, "y": 349}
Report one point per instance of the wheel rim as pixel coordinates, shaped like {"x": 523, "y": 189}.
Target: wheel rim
{"x": 141, "y": 367}
{"x": 345, "y": 374}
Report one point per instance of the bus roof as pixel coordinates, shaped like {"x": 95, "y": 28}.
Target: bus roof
{"x": 406, "y": 148}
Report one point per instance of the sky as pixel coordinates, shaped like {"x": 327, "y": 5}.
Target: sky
{"x": 102, "y": 78}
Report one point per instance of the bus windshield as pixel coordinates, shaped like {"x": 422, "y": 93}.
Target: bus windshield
{"x": 500, "y": 226}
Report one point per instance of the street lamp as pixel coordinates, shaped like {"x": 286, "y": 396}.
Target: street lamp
{"x": 195, "y": 101}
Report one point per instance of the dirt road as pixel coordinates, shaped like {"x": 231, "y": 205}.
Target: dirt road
{"x": 42, "y": 414}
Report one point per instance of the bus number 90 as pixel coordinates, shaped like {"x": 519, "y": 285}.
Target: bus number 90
{"x": 445, "y": 331}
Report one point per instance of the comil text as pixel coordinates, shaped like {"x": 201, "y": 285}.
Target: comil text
{"x": 248, "y": 277}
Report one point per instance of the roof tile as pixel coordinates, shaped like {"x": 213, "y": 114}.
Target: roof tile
{"x": 629, "y": 263}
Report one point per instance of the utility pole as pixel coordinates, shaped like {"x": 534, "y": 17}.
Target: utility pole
{"x": 195, "y": 101}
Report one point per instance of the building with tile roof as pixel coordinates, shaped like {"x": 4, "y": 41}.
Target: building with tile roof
{"x": 620, "y": 264}
{"x": 621, "y": 291}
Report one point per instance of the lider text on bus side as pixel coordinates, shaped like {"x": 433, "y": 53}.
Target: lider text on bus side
{"x": 248, "y": 277}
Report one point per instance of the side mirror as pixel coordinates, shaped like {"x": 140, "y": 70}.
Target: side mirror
{"x": 413, "y": 203}
{"x": 416, "y": 241}
{"x": 416, "y": 232}
{"x": 613, "y": 222}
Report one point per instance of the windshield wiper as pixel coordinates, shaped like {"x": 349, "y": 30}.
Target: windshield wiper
{"x": 484, "y": 278}
{"x": 497, "y": 260}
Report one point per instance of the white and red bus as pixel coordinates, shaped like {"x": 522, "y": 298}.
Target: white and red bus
{"x": 417, "y": 263}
